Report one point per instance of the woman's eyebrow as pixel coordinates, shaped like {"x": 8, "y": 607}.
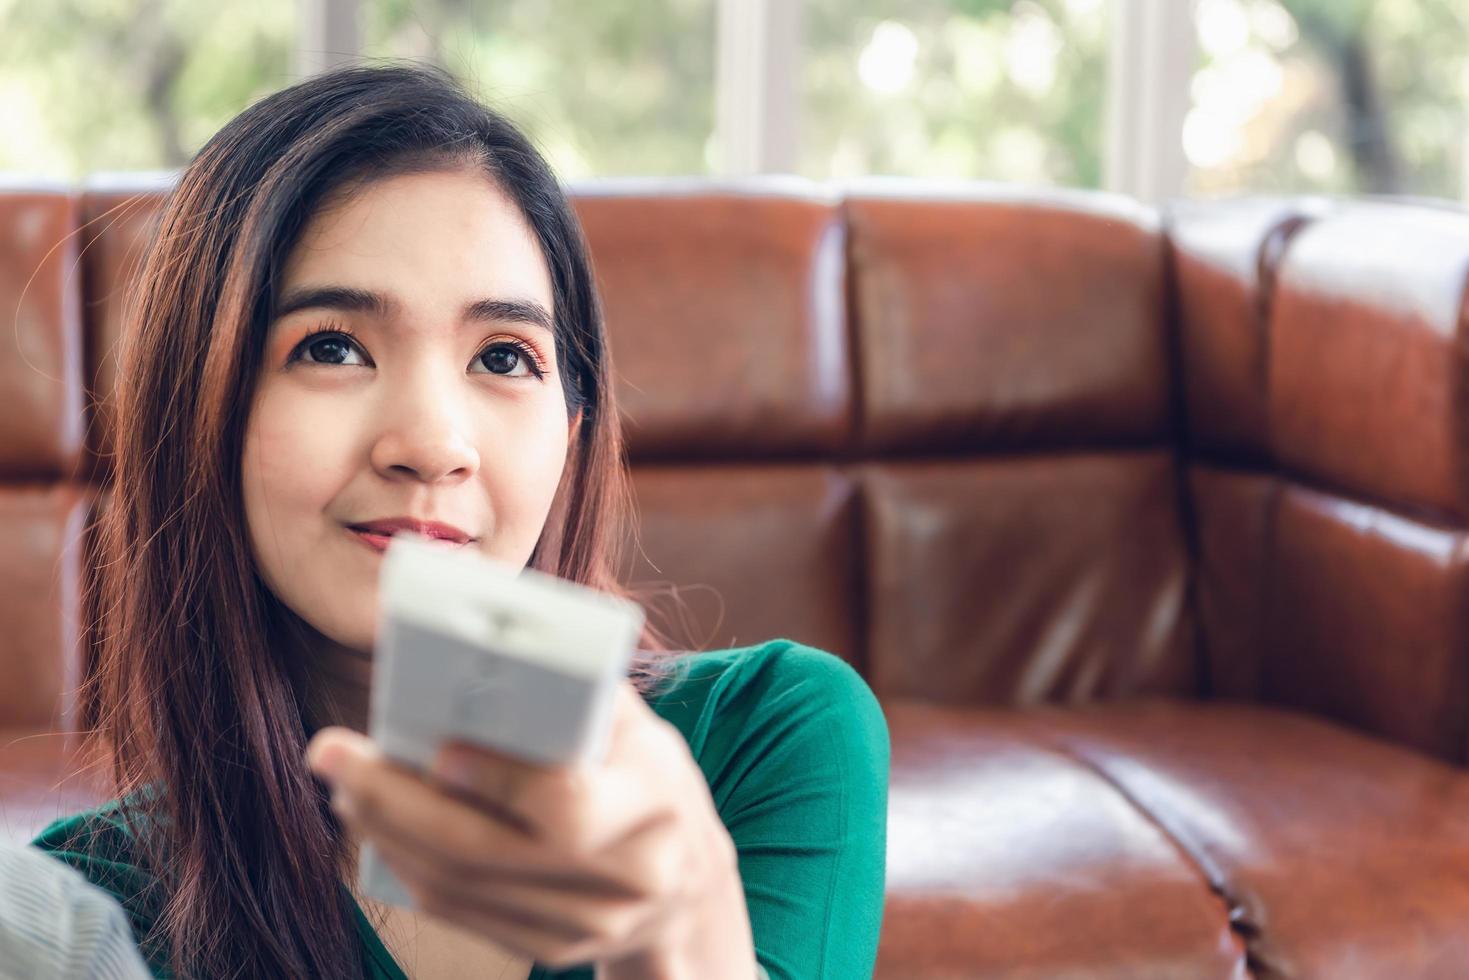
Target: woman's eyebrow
{"x": 350, "y": 299}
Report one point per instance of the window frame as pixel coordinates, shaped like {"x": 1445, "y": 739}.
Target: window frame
{"x": 1152, "y": 53}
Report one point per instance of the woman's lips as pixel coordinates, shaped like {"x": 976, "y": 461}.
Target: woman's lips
{"x": 378, "y": 534}
{"x": 377, "y": 542}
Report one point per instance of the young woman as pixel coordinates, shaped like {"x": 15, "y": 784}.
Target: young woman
{"x": 369, "y": 306}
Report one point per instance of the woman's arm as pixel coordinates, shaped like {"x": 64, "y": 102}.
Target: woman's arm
{"x": 766, "y": 850}
{"x": 801, "y": 782}
{"x": 625, "y": 861}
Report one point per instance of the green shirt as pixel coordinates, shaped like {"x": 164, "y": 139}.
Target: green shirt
{"x": 795, "y": 750}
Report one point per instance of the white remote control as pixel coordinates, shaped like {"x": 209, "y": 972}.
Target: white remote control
{"x": 473, "y": 649}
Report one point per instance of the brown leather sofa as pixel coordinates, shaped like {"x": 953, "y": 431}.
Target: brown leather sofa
{"x": 1149, "y": 531}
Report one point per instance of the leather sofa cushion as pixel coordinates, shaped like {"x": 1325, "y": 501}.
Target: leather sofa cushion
{"x": 1375, "y": 298}
{"x": 1010, "y": 858}
{"x": 41, "y": 427}
{"x": 1040, "y": 577}
{"x": 727, "y": 317}
{"x": 1336, "y": 854}
{"x": 989, "y": 318}
{"x": 41, "y": 565}
{"x": 727, "y": 555}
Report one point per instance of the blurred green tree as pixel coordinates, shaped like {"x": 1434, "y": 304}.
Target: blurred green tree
{"x": 1371, "y": 98}
{"x": 1374, "y": 90}
{"x": 1002, "y": 89}
{"x": 92, "y": 85}
{"x": 613, "y": 87}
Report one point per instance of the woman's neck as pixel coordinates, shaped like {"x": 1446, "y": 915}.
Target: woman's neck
{"x": 340, "y": 687}
{"x": 336, "y": 680}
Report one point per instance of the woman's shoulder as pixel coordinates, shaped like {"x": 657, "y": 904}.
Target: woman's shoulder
{"x": 795, "y": 749}
{"x": 102, "y": 844}
{"x": 774, "y": 665}
{"x": 100, "y": 830}
{"x": 740, "y": 698}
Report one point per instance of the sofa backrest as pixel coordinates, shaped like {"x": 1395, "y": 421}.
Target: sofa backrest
{"x": 929, "y": 433}
{"x": 1326, "y": 360}
{"x": 44, "y": 495}
{"x": 992, "y": 446}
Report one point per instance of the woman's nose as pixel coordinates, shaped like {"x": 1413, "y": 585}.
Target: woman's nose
{"x": 425, "y": 437}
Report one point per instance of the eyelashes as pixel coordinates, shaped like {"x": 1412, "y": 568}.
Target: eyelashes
{"x": 330, "y": 330}
{"x": 527, "y": 353}
{"x": 326, "y": 337}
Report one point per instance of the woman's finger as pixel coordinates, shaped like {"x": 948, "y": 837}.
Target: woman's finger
{"x": 581, "y": 809}
{"x": 550, "y": 901}
{"x": 532, "y": 791}
{"x": 498, "y": 781}
{"x": 631, "y": 867}
{"x": 530, "y": 917}
{"x": 377, "y": 796}
{"x": 580, "y": 819}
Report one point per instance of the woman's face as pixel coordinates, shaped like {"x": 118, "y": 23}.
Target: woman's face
{"x": 431, "y": 394}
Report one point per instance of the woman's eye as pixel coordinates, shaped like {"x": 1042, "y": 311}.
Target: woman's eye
{"x": 329, "y": 349}
{"x": 508, "y": 360}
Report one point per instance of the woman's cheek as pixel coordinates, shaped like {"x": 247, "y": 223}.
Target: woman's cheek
{"x": 290, "y": 449}
{"x": 273, "y": 453}
{"x": 539, "y": 463}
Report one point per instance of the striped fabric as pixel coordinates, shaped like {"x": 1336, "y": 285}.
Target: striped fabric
{"x": 55, "y": 923}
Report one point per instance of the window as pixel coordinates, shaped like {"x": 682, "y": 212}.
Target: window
{"x": 1150, "y": 97}
{"x": 1324, "y": 95}
{"x": 94, "y": 85}
{"x": 602, "y": 88}
{"x": 1005, "y": 91}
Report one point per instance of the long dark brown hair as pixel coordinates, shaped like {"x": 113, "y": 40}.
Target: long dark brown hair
{"x": 198, "y": 691}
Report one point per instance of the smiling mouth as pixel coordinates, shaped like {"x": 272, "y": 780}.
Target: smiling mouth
{"x": 378, "y": 534}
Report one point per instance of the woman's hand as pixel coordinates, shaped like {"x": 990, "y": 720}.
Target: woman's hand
{"x": 624, "y": 863}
